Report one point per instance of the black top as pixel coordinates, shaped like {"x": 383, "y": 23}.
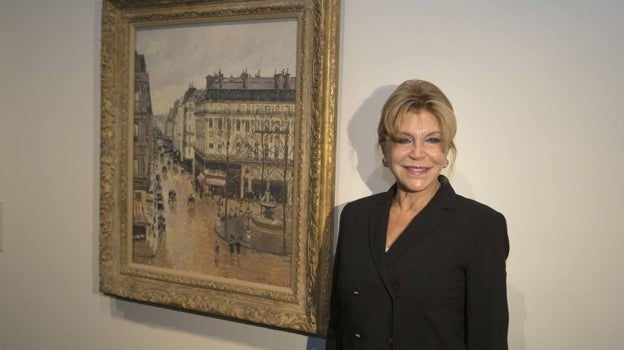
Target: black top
{"x": 440, "y": 286}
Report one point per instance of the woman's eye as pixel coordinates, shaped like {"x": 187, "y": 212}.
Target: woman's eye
{"x": 434, "y": 140}
{"x": 403, "y": 140}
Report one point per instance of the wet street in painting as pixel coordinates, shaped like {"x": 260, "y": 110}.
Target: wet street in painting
{"x": 194, "y": 239}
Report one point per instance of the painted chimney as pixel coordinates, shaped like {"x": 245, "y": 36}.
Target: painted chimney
{"x": 245, "y": 77}
{"x": 278, "y": 81}
{"x": 210, "y": 79}
{"x": 287, "y": 80}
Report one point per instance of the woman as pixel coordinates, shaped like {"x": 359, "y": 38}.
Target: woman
{"x": 419, "y": 267}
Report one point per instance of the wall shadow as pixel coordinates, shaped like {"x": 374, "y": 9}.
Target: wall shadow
{"x": 517, "y": 318}
{"x": 203, "y": 325}
{"x": 97, "y": 37}
{"x": 315, "y": 344}
{"x": 362, "y": 131}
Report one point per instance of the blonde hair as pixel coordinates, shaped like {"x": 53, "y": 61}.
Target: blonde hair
{"x": 418, "y": 95}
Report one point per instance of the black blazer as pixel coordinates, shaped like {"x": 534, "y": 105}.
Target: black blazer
{"x": 440, "y": 286}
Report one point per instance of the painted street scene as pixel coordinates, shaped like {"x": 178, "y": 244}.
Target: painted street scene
{"x": 213, "y": 163}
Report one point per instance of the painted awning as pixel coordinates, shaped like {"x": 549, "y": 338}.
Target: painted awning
{"x": 140, "y": 216}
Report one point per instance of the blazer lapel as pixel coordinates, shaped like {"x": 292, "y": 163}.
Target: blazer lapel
{"x": 432, "y": 216}
{"x": 377, "y": 227}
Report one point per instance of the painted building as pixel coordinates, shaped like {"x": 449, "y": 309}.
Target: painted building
{"x": 244, "y": 136}
{"x": 142, "y": 150}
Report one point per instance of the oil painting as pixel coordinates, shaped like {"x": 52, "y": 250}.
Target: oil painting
{"x": 214, "y": 162}
{"x": 218, "y": 127}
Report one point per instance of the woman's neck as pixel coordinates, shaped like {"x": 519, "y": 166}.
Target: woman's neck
{"x": 414, "y": 201}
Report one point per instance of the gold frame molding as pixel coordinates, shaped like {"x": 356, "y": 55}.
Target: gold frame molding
{"x": 302, "y": 307}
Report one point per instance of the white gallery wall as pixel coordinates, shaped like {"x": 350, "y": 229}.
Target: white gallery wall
{"x": 538, "y": 88}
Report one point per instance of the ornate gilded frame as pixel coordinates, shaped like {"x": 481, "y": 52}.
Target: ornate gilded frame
{"x": 303, "y": 306}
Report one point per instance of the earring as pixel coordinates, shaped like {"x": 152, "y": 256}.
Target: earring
{"x": 385, "y": 162}
{"x": 446, "y": 163}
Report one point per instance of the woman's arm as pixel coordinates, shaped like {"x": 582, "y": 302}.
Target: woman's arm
{"x": 334, "y": 334}
{"x": 487, "y": 314}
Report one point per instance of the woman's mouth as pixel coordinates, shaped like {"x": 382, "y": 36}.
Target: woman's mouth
{"x": 416, "y": 170}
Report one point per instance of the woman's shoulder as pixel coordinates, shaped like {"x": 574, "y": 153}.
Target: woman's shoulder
{"x": 475, "y": 208}
{"x": 362, "y": 207}
{"x": 463, "y": 205}
{"x": 371, "y": 200}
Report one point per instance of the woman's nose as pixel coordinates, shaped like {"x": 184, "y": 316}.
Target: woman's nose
{"x": 417, "y": 150}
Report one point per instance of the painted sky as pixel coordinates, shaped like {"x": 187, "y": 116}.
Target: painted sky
{"x": 177, "y": 56}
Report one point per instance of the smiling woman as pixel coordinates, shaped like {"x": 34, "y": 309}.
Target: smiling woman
{"x": 415, "y": 155}
{"x": 429, "y": 272}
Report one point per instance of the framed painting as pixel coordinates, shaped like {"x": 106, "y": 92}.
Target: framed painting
{"x": 217, "y": 157}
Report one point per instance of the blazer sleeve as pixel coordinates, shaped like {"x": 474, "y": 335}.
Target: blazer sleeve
{"x": 334, "y": 334}
{"x": 487, "y": 314}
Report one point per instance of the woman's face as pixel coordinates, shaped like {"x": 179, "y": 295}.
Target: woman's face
{"x": 416, "y": 157}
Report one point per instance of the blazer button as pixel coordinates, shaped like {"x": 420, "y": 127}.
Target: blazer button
{"x": 389, "y": 339}
{"x": 356, "y": 292}
{"x": 357, "y": 335}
